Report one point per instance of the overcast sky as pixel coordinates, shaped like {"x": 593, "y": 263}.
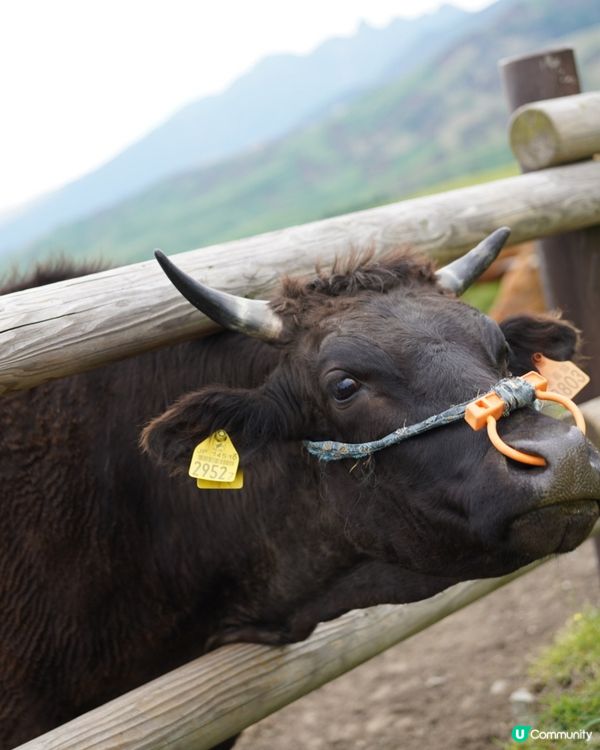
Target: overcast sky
{"x": 82, "y": 79}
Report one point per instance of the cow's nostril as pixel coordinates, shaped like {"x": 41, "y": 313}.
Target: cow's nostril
{"x": 552, "y": 440}
{"x": 573, "y": 471}
{"x": 573, "y": 464}
{"x": 529, "y": 459}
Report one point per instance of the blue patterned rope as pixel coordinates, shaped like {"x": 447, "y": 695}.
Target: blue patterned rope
{"x": 515, "y": 392}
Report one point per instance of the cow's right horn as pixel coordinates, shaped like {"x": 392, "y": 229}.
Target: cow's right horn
{"x": 250, "y": 316}
{"x": 461, "y": 273}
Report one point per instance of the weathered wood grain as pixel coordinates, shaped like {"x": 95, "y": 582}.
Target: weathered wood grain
{"x": 214, "y": 697}
{"x": 556, "y": 131}
{"x": 75, "y": 325}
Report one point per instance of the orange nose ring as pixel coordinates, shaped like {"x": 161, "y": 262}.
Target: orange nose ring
{"x": 487, "y": 409}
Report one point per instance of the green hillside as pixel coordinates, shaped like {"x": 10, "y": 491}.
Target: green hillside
{"x": 276, "y": 95}
{"x": 446, "y": 120}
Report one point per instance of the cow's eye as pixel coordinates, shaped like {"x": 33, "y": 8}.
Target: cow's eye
{"x": 345, "y": 388}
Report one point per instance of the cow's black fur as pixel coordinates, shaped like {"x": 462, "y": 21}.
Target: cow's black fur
{"x": 112, "y": 571}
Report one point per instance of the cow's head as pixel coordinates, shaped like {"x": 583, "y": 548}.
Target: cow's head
{"x": 381, "y": 343}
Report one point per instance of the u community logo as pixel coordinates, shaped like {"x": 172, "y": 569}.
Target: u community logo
{"x": 522, "y": 732}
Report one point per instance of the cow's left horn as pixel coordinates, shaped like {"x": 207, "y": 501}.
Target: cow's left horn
{"x": 460, "y": 274}
{"x": 250, "y": 316}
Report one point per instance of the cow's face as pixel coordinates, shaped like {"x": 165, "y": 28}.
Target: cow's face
{"x": 381, "y": 346}
{"x": 448, "y": 500}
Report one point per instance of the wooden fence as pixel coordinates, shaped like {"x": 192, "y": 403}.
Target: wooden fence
{"x": 75, "y": 325}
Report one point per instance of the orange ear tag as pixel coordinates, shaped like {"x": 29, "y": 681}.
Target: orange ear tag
{"x": 563, "y": 377}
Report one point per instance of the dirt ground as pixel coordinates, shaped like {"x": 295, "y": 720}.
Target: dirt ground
{"x": 448, "y": 687}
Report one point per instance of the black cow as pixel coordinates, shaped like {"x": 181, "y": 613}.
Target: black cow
{"x": 112, "y": 571}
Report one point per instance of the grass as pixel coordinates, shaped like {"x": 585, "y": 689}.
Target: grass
{"x": 482, "y": 295}
{"x": 567, "y": 674}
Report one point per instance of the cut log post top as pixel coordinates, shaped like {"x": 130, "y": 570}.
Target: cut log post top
{"x": 556, "y": 131}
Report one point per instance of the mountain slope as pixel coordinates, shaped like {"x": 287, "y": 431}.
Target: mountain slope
{"x": 276, "y": 95}
{"x": 446, "y": 119}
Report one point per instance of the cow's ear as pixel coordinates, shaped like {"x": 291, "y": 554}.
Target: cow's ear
{"x": 528, "y": 334}
{"x": 250, "y": 418}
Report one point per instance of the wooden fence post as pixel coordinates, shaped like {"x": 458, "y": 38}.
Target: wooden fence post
{"x": 570, "y": 262}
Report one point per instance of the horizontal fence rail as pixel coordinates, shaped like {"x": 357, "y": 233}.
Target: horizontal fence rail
{"x": 75, "y": 325}
{"x": 220, "y": 694}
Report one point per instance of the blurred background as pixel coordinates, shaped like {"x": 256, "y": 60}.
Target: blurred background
{"x": 132, "y": 125}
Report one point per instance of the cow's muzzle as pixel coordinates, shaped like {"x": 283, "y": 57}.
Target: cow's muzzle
{"x": 563, "y": 496}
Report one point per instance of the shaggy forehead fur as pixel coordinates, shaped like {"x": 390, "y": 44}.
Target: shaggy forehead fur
{"x": 303, "y": 298}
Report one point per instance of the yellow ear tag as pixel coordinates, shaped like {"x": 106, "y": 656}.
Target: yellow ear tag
{"x": 215, "y": 459}
{"x": 563, "y": 377}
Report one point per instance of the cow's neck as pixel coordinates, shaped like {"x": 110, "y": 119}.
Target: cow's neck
{"x": 300, "y": 563}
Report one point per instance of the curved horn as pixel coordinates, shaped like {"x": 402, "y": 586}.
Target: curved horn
{"x": 250, "y": 316}
{"x": 461, "y": 273}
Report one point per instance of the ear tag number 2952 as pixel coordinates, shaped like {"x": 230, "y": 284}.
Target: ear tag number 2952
{"x": 215, "y": 463}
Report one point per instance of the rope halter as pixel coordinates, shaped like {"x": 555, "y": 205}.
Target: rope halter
{"x": 506, "y": 396}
